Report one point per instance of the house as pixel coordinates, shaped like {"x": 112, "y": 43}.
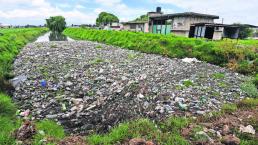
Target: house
{"x": 178, "y": 23}
{"x": 137, "y": 26}
{"x": 5, "y": 25}
{"x": 213, "y": 31}
{"x": 113, "y": 26}
{"x": 141, "y": 25}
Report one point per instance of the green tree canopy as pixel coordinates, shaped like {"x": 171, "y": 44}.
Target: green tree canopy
{"x": 105, "y": 18}
{"x": 142, "y": 18}
{"x": 244, "y": 31}
{"x": 56, "y": 23}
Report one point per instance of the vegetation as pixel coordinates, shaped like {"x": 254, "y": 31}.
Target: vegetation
{"x": 56, "y": 24}
{"x": 10, "y": 44}
{"x": 244, "y": 31}
{"x": 250, "y": 89}
{"x": 48, "y": 129}
{"x": 229, "y": 108}
{"x": 167, "y": 132}
{"x": 236, "y": 55}
{"x": 105, "y": 18}
{"x": 142, "y": 18}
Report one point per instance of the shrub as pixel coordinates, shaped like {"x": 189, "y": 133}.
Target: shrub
{"x": 7, "y": 108}
{"x": 250, "y": 89}
{"x": 56, "y": 23}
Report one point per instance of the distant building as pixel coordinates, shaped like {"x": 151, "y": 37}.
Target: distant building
{"x": 140, "y": 26}
{"x": 213, "y": 31}
{"x": 5, "y": 25}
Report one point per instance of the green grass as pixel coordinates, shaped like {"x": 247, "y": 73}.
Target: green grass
{"x": 188, "y": 83}
{"x": 7, "y": 108}
{"x": 218, "y": 75}
{"x": 7, "y": 126}
{"x": 48, "y": 129}
{"x": 248, "y": 103}
{"x": 10, "y": 44}
{"x": 237, "y": 55}
{"x": 250, "y": 89}
{"x": 167, "y": 132}
{"x": 229, "y": 108}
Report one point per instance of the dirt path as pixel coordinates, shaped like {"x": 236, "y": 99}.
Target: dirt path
{"x": 89, "y": 86}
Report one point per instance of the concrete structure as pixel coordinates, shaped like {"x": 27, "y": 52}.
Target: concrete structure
{"x": 178, "y": 23}
{"x": 213, "y": 31}
{"x": 140, "y": 26}
{"x": 5, "y": 25}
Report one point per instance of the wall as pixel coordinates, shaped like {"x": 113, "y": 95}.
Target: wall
{"x": 218, "y": 33}
{"x": 184, "y": 23}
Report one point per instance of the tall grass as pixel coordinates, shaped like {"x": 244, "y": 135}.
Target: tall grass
{"x": 11, "y": 42}
{"x": 238, "y": 55}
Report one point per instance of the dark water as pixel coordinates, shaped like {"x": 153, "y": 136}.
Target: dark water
{"x": 53, "y": 36}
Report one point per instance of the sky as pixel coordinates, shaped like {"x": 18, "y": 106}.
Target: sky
{"x": 22, "y": 12}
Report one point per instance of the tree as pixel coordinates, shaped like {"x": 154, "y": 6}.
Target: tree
{"x": 244, "y": 31}
{"x": 142, "y": 18}
{"x": 105, "y": 18}
{"x": 56, "y": 23}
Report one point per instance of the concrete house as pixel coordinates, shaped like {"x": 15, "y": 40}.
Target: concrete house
{"x": 213, "y": 31}
{"x": 141, "y": 26}
{"x": 178, "y": 23}
{"x": 137, "y": 26}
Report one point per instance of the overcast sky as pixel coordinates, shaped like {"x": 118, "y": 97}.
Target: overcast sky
{"x": 22, "y": 12}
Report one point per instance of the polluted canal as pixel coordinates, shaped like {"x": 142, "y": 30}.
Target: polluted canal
{"x": 53, "y": 36}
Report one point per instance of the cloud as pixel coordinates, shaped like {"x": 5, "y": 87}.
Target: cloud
{"x": 41, "y": 9}
{"x": 120, "y": 9}
{"x": 108, "y": 2}
{"x": 231, "y": 10}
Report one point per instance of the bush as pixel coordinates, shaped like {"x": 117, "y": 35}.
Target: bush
{"x": 219, "y": 52}
{"x": 250, "y": 89}
{"x": 7, "y": 108}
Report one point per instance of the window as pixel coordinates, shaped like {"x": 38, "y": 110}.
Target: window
{"x": 132, "y": 26}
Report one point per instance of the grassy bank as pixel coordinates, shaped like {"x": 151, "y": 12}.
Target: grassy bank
{"x": 237, "y": 55}
{"x": 11, "y": 41}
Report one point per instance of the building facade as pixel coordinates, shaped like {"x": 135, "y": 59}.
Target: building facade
{"x": 178, "y": 23}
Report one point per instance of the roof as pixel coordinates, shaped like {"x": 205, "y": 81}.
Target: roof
{"x": 214, "y": 25}
{"x": 223, "y": 25}
{"x": 135, "y": 22}
{"x": 186, "y": 14}
{"x": 251, "y": 26}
